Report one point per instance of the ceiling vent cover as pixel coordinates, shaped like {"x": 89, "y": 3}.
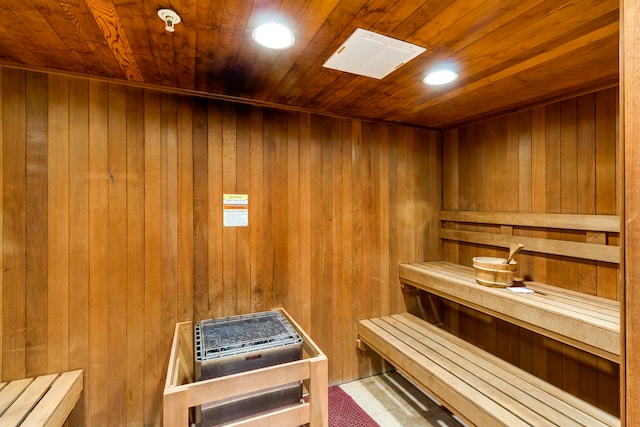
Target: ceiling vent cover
{"x": 372, "y": 55}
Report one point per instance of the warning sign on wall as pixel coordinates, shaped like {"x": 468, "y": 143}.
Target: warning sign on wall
{"x": 235, "y": 209}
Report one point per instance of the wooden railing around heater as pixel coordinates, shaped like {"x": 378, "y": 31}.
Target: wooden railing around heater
{"x": 182, "y": 393}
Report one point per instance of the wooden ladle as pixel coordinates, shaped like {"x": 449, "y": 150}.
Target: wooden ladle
{"x": 513, "y": 250}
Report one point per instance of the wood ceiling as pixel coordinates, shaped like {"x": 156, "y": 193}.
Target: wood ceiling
{"x": 510, "y": 53}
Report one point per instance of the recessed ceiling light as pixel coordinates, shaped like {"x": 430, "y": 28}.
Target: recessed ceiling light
{"x": 273, "y": 36}
{"x": 440, "y": 77}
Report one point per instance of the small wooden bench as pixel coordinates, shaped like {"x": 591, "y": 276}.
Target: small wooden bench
{"x": 584, "y": 321}
{"x": 480, "y": 388}
{"x": 46, "y": 400}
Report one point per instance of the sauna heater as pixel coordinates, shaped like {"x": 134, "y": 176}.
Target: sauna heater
{"x": 238, "y": 344}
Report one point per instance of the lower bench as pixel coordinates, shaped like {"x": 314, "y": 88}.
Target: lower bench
{"x": 480, "y": 388}
{"x": 46, "y": 400}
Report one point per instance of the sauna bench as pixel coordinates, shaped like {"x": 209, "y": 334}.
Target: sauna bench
{"x": 583, "y": 321}
{"x": 478, "y": 387}
{"x": 46, "y": 400}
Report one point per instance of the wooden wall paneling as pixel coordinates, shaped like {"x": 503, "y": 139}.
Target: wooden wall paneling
{"x": 396, "y": 299}
{"x": 215, "y": 188}
{"x": 280, "y": 282}
{"x": 153, "y": 336}
{"x": 376, "y": 238}
{"x": 14, "y": 133}
{"x": 606, "y": 202}
{"x": 2, "y": 242}
{"x": 630, "y": 136}
{"x": 326, "y": 243}
{"x": 569, "y": 174}
{"x": 586, "y": 185}
{"x": 169, "y": 180}
{"x": 606, "y": 190}
{"x": 306, "y": 176}
{"x": 135, "y": 286}
{"x": 185, "y": 181}
{"x": 381, "y": 194}
{"x": 267, "y": 248}
{"x": 291, "y": 205}
{"x": 117, "y": 252}
{"x": 58, "y": 275}
{"x": 524, "y": 205}
{"x": 229, "y": 270}
{"x": 258, "y": 200}
{"x": 348, "y": 293}
{"x": 79, "y": 239}
{"x": 99, "y": 254}
{"x": 336, "y": 281}
{"x": 201, "y": 229}
{"x": 553, "y": 182}
{"x": 450, "y": 181}
{"x": 36, "y": 224}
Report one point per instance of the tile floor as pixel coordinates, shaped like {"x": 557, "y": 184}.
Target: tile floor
{"x": 391, "y": 400}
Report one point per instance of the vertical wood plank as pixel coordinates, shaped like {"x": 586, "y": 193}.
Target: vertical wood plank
{"x": 36, "y": 224}
{"x": 135, "y": 224}
{"x": 14, "y": 264}
{"x": 630, "y": 298}
{"x": 257, "y": 207}
{"x": 200, "y": 211}
{"x": 243, "y": 186}
{"x": 2, "y": 243}
{"x": 117, "y": 255}
{"x": 294, "y": 301}
{"x": 306, "y": 176}
{"x": 229, "y": 234}
{"x": 185, "y": 177}
{"x": 215, "y": 209}
{"x": 98, "y": 398}
{"x": 169, "y": 147}
{"x": 58, "y": 224}
{"x": 153, "y": 376}
{"x": 79, "y": 239}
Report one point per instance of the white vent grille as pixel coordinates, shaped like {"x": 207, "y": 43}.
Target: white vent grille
{"x": 372, "y": 55}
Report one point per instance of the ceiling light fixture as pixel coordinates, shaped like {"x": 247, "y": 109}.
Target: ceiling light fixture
{"x": 273, "y": 36}
{"x": 170, "y": 19}
{"x": 440, "y": 77}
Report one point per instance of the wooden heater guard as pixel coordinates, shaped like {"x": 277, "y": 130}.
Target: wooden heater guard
{"x": 181, "y": 392}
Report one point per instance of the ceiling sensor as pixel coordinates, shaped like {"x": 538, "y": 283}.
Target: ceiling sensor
{"x": 372, "y": 55}
{"x": 170, "y": 19}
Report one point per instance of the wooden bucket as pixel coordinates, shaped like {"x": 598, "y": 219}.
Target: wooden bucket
{"x": 491, "y": 271}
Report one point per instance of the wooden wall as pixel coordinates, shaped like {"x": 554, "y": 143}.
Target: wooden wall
{"x": 558, "y": 158}
{"x": 111, "y": 228}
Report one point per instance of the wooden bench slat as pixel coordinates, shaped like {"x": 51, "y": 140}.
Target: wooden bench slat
{"x": 553, "y": 313}
{"x": 549, "y": 389}
{"x": 578, "y": 305}
{"x": 481, "y": 388}
{"x": 27, "y": 400}
{"x": 11, "y": 392}
{"x": 483, "y": 377}
{"x": 446, "y": 387}
{"x": 57, "y": 404}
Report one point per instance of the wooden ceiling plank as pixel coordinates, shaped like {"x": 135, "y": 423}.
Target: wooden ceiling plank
{"x": 232, "y": 33}
{"x": 62, "y": 21}
{"x": 435, "y": 35}
{"x": 537, "y": 20}
{"x": 314, "y": 79}
{"x": 107, "y": 18}
{"x": 208, "y": 21}
{"x": 184, "y": 44}
{"x": 545, "y": 57}
{"x": 143, "y": 26}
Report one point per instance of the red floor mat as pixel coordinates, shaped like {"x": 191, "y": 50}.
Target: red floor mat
{"x": 345, "y": 412}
